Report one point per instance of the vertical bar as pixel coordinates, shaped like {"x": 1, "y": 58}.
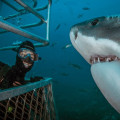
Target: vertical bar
{"x": 31, "y": 105}
{"x": 16, "y": 104}
{"x": 36, "y": 109}
{"x": 48, "y": 22}
{"x": 24, "y": 99}
{"x": 6, "y": 109}
{"x": 42, "y": 102}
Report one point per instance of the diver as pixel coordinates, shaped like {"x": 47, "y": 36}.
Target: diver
{"x": 26, "y": 56}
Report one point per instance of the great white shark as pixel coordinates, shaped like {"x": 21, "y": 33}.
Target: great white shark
{"x": 98, "y": 41}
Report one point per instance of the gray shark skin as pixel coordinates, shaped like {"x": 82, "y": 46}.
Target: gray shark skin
{"x": 98, "y": 42}
{"x": 102, "y": 27}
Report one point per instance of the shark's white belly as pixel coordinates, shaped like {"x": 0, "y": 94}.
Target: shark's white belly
{"x": 107, "y": 77}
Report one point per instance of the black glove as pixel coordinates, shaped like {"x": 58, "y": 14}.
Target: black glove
{"x": 35, "y": 79}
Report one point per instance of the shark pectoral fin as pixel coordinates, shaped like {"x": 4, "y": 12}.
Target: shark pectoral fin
{"x": 107, "y": 77}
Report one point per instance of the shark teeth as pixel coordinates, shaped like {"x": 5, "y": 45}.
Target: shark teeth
{"x": 97, "y": 59}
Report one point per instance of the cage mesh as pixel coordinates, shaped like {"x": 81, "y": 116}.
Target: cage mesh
{"x": 37, "y": 104}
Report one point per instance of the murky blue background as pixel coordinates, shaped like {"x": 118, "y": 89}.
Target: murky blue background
{"x": 75, "y": 93}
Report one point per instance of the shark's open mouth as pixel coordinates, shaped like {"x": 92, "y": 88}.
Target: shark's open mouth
{"x": 99, "y": 58}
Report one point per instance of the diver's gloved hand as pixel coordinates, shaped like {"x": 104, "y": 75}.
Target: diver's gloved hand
{"x": 16, "y": 83}
{"x": 35, "y": 79}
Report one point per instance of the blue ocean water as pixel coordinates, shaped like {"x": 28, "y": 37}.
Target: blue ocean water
{"x": 76, "y": 95}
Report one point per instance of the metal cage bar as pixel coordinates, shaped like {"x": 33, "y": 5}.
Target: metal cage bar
{"x": 11, "y": 92}
{"x": 33, "y": 101}
{"x": 20, "y": 30}
{"x": 31, "y": 10}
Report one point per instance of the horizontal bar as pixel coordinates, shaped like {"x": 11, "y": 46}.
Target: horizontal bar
{"x": 16, "y": 91}
{"x": 15, "y": 47}
{"x": 22, "y": 32}
{"x": 22, "y": 12}
{"x": 32, "y": 25}
{"x": 26, "y": 26}
{"x": 18, "y": 10}
{"x": 9, "y": 48}
{"x": 30, "y": 10}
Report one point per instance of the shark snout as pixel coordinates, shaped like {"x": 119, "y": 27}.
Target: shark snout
{"x": 74, "y": 33}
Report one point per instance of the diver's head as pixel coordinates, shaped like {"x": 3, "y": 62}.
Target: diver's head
{"x": 26, "y": 56}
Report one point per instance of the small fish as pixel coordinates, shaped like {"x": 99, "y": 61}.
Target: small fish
{"x": 53, "y": 44}
{"x": 79, "y": 16}
{"x": 75, "y": 66}
{"x": 86, "y": 8}
{"x": 83, "y": 90}
{"x": 67, "y": 46}
{"x": 65, "y": 24}
{"x": 58, "y": 26}
{"x": 35, "y": 3}
{"x": 64, "y": 74}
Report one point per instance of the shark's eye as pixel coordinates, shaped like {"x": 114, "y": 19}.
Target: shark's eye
{"x": 94, "y": 22}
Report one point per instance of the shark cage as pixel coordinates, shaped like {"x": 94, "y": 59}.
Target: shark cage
{"x": 32, "y": 101}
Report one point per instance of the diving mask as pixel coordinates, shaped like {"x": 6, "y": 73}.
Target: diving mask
{"x": 27, "y": 54}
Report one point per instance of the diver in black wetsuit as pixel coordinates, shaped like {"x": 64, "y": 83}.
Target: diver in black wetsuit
{"x": 24, "y": 61}
{"x": 14, "y": 76}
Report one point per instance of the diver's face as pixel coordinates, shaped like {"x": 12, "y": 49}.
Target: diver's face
{"x": 27, "y": 57}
